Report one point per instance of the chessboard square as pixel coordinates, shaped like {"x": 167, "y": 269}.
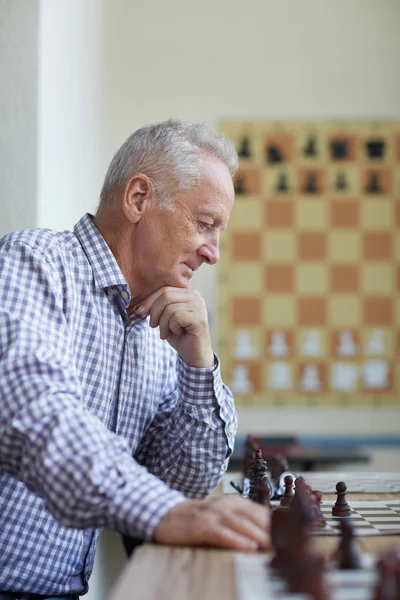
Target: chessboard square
{"x": 279, "y": 311}
{"x": 246, "y": 245}
{"x": 247, "y": 181}
{"x": 312, "y": 180}
{"x": 398, "y": 278}
{"x": 279, "y": 246}
{"x": 344, "y": 376}
{"x": 245, "y": 377}
{"x": 377, "y": 278}
{"x": 344, "y": 278}
{"x": 376, "y": 180}
{"x": 246, "y": 214}
{"x": 312, "y": 245}
{"x": 310, "y": 214}
{"x": 279, "y": 376}
{"x": 246, "y": 311}
{"x": 377, "y": 375}
{"x": 311, "y": 377}
{"x": 246, "y": 343}
{"x": 344, "y": 180}
{"x": 279, "y": 278}
{"x": 244, "y": 136}
{"x": 311, "y": 311}
{"x": 344, "y": 310}
{"x": 311, "y": 342}
{"x": 278, "y": 181}
{"x": 344, "y": 212}
{"x": 311, "y": 278}
{"x": 378, "y": 310}
{"x": 377, "y": 245}
{"x": 344, "y": 246}
{"x": 279, "y": 213}
{"x": 279, "y": 147}
{"x": 279, "y": 343}
{"x": 397, "y": 147}
{"x": 377, "y": 214}
{"x": 397, "y": 316}
{"x": 345, "y": 343}
{"x": 247, "y": 277}
{"x": 396, "y": 246}
{"x": 343, "y": 147}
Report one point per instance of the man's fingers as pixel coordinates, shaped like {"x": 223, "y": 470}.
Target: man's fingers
{"x": 246, "y": 528}
{"x": 225, "y": 537}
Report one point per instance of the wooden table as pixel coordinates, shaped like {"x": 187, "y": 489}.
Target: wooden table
{"x": 168, "y": 573}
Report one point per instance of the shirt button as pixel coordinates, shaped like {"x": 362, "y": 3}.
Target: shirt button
{"x": 231, "y": 429}
{"x": 125, "y": 294}
{"x": 110, "y": 292}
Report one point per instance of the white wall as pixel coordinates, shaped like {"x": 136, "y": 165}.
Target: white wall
{"x": 18, "y": 109}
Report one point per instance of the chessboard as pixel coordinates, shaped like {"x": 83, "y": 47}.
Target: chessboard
{"x": 255, "y": 580}
{"x": 309, "y": 277}
{"x": 325, "y": 482}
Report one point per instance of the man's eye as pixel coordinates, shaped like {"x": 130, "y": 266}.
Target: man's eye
{"x": 204, "y": 226}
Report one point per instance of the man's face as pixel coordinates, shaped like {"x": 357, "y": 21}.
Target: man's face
{"x": 171, "y": 245}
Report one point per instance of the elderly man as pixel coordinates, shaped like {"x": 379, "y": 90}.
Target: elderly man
{"x": 112, "y": 408}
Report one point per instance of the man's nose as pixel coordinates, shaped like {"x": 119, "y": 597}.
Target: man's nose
{"x": 210, "y": 250}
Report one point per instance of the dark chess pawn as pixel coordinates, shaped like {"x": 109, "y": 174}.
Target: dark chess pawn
{"x": 287, "y": 497}
{"x": 347, "y": 555}
{"x": 341, "y": 508}
{"x": 279, "y": 529}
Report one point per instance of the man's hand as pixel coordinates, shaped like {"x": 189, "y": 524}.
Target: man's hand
{"x": 226, "y": 521}
{"x": 182, "y": 317}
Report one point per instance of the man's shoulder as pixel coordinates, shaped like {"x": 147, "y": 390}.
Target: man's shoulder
{"x": 47, "y": 242}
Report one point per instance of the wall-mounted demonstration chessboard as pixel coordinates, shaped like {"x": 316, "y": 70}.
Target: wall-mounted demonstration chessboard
{"x": 309, "y": 276}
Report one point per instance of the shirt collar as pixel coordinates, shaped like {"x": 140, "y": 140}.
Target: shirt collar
{"x": 106, "y": 270}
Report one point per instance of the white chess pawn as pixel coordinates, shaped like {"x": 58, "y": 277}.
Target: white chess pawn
{"x": 278, "y": 346}
{"x": 346, "y": 346}
{"x": 376, "y": 344}
{"x": 310, "y": 381}
{"x": 312, "y": 343}
{"x": 240, "y": 383}
{"x": 244, "y": 347}
{"x": 279, "y": 376}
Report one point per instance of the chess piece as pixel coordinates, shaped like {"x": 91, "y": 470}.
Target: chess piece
{"x": 344, "y": 376}
{"x": 310, "y": 381}
{"x": 373, "y": 186}
{"x": 244, "y": 148}
{"x": 346, "y": 345}
{"x": 263, "y": 490}
{"x": 310, "y": 186}
{"x": 240, "y": 383}
{"x": 258, "y": 466}
{"x": 347, "y": 555}
{"x": 310, "y": 148}
{"x": 341, "y": 508}
{"x": 307, "y": 576}
{"x": 312, "y": 343}
{"x": 244, "y": 347}
{"x": 341, "y": 183}
{"x": 288, "y": 494}
{"x": 319, "y": 521}
{"x": 282, "y": 185}
{"x": 375, "y": 374}
{"x": 375, "y": 148}
{"x": 376, "y": 344}
{"x": 274, "y": 155}
{"x": 279, "y": 376}
{"x": 279, "y": 541}
{"x": 278, "y": 346}
{"x": 388, "y": 582}
{"x": 339, "y": 149}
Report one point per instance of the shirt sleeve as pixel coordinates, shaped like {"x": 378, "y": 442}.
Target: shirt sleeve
{"x": 190, "y": 440}
{"x": 48, "y": 440}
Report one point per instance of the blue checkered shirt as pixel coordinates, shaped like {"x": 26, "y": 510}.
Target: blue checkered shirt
{"x": 101, "y": 422}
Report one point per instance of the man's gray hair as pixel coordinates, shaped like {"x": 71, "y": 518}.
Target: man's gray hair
{"x": 170, "y": 153}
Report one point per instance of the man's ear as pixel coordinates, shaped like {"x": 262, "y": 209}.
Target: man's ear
{"x": 138, "y": 193}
